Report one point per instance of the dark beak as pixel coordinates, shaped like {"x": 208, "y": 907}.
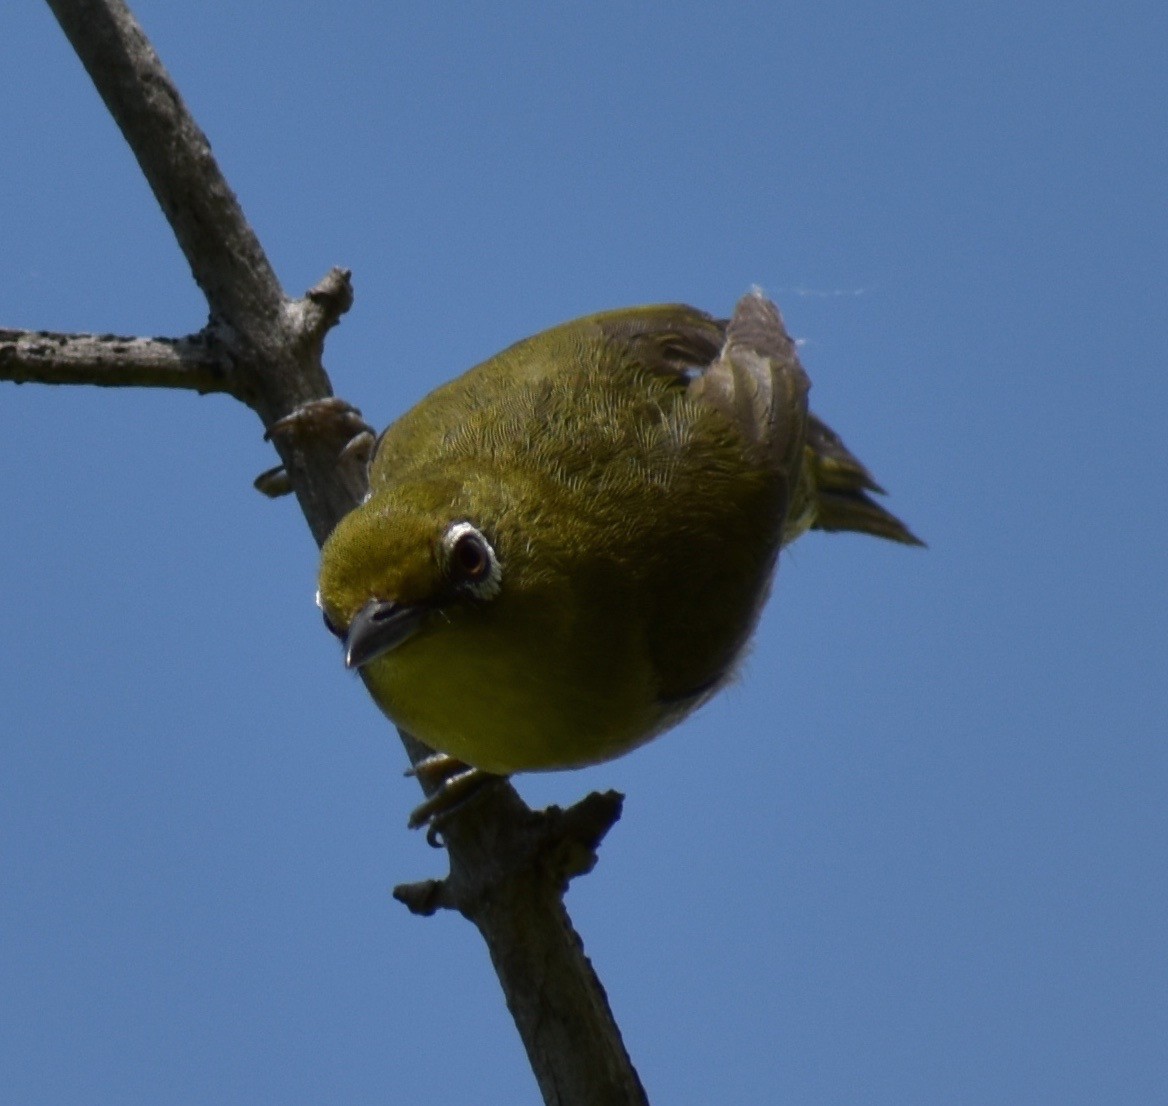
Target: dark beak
{"x": 378, "y": 627}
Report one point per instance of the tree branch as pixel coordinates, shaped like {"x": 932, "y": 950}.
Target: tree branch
{"x": 226, "y": 259}
{"x": 274, "y": 344}
{"x": 108, "y": 361}
{"x": 509, "y": 866}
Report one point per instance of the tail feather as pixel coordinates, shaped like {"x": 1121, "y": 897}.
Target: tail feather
{"x": 843, "y": 489}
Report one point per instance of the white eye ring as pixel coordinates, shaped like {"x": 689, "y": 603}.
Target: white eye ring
{"x": 471, "y": 560}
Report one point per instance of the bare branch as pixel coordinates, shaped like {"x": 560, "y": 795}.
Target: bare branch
{"x": 274, "y": 344}
{"x": 108, "y": 361}
{"x": 506, "y": 877}
{"x": 226, "y": 258}
{"x": 509, "y": 868}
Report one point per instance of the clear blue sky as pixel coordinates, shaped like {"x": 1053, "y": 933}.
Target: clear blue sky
{"x": 915, "y": 855}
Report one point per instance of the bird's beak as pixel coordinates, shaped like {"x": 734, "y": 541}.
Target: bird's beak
{"x": 378, "y": 627}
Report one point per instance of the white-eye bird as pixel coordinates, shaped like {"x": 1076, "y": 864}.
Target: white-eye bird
{"x": 564, "y": 551}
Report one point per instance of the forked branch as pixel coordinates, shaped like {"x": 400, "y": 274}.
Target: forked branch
{"x": 509, "y": 866}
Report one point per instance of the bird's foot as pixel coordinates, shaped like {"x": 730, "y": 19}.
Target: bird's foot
{"x": 453, "y": 782}
{"x": 335, "y": 420}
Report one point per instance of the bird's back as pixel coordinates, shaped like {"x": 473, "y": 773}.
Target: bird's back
{"x": 556, "y": 402}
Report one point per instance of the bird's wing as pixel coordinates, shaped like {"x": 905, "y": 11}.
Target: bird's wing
{"x": 668, "y": 338}
{"x": 758, "y": 384}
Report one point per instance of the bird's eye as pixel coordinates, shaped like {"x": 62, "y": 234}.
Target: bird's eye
{"x": 471, "y": 560}
{"x": 331, "y": 626}
{"x": 471, "y": 557}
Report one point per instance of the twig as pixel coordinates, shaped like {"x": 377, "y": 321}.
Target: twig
{"x": 108, "y": 361}
{"x": 509, "y": 867}
{"x": 226, "y": 259}
{"x": 274, "y": 344}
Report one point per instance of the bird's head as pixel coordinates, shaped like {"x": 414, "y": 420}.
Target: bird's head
{"x": 391, "y": 567}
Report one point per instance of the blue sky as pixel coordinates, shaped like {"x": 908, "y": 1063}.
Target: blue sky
{"x": 915, "y": 854}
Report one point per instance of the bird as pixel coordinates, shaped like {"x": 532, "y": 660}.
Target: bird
{"x": 564, "y": 551}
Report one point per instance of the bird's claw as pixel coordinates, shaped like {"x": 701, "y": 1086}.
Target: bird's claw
{"x": 454, "y": 784}
{"x": 273, "y": 482}
{"x": 335, "y": 420}
{"x": 330, "y": 415}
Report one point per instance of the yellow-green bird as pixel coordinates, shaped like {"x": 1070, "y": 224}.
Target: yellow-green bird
{"x": 564, "y": 551}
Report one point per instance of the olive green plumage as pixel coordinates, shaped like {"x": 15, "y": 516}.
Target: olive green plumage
{"x": 565, "y": 549}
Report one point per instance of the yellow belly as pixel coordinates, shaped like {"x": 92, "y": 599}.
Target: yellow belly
{"x": 510, "y": 707}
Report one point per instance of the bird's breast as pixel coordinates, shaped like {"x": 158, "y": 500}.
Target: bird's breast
{"x": 504, "y": 703}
